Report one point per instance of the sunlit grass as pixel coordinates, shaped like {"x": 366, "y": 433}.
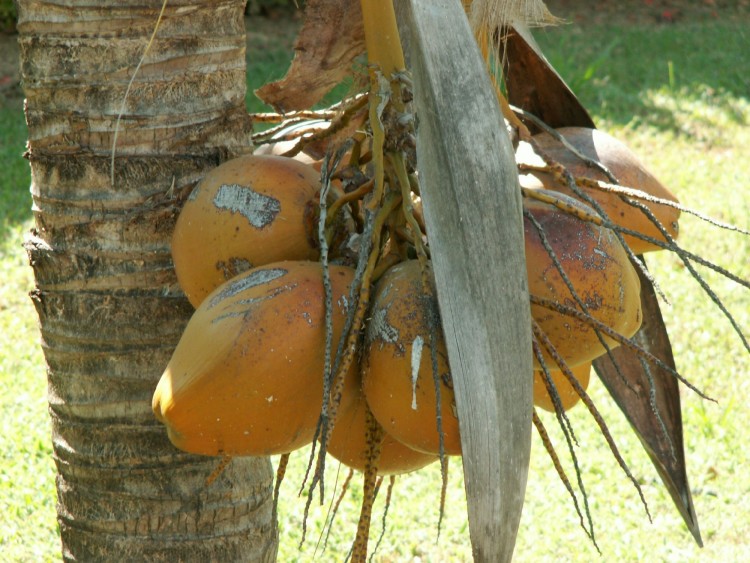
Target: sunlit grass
{"x": 28, "y": 527}
{"x": 691, "y": 130}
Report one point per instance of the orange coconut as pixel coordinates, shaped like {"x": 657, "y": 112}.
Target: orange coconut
{"x": 250, "y": 211}
{"x": 348, "y": 444}
{"x": 246, "y": 377}
{"x": 397, "y": 372}
{"x": 597, "y": 267}
{"x": 623, "y": 163}
{"x": 568, "y": 395}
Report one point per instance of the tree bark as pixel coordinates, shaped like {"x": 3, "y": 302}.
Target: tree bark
{"x": 109, "y": 307}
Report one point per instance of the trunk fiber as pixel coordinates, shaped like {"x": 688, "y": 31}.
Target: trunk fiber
{"x": 109, "y": 308}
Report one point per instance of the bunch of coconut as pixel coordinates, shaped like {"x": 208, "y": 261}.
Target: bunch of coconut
{"x": 248, "y": 375}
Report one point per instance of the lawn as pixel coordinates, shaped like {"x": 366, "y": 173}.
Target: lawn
{"x": 683, "y": 105}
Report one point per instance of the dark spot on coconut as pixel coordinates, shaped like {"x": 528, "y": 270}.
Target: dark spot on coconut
{"x": 233, "y": 267}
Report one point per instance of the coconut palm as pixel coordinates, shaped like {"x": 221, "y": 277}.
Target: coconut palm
{"x": 109, "y": 308}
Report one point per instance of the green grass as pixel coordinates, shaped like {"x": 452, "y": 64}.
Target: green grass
{"x": 28, "y": 527}
{"x": 648, "y": 58}
{"x": 690, "y": 127}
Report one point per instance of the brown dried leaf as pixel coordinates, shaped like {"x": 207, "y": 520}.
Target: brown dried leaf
{"x": 650, "y": 400}
{"x": 535, "y": 86}
{"x": 331, "y": 37}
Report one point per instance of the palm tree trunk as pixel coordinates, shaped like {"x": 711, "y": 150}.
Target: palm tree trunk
{"x": 109, "y": 308}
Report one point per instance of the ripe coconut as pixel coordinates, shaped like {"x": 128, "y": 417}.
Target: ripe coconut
{"x": 599, "y": 270}
{"x": 250, "y": 211}
{"x": 397, "y": 371}
{"x": 246, "y": 377}
{"x": 567, "y": 394}
{"x": 348, "y": 444}
{"x": 623, "y": 163}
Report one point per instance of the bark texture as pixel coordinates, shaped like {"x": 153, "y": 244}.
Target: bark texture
{"x": 109, "y": 307}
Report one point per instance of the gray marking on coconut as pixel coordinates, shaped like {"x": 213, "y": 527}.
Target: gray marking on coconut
{"x": 248, "y": 303}
{"x": 379, "y": 329}
{"x": 238, "y": 285}
{"x": 416, "y": 360}
{"x": 259, "y": 209}
{"x": 194, "y": 193}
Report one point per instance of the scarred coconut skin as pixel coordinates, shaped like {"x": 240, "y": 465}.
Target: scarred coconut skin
{"x": 598, "y": 268}
{"x": 246, "y": 377}
{"x": 397, "y": 371}
{"x": 247, "y": 212}
{"x": 623, "y": 163}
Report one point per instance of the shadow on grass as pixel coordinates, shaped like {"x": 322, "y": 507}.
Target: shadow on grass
{"x": 700, "y": 114}
{"x": 623, "y": 74}
{"x": 15, "y": 200}
{"x": 616, "y": 70}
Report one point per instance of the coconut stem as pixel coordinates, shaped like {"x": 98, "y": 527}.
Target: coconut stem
{"x": 382, "y": 39}
{"x": 335, "y": 509}
{"x": 349, "y": 197}
{"x": 362, "y": 305}
{"x": 566, "y": 428}
{"x": 547, "y": 442}
{"x": 388, "y": 496}
{"x": 219, "y": 470}
{"x": 280, "y": 473}
{"x": 386, "y": 59}
{"x": 544, "y": 340}
{"x": 346, "y": 351}
{"x": 375, "y": 435}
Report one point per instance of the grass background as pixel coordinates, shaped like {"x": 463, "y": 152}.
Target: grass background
{"x": 682, "y": 103}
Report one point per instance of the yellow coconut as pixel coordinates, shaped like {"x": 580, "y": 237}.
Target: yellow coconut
{"x": 597, "y": 267}
{"x": 250, "y": 211}
{"x": 348, "y": 444}
{"x": 397, "y": 372}
{"x": 623, "y": 163}
{"x": 567, "y": 394}
{"x": 246, "y": 377}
